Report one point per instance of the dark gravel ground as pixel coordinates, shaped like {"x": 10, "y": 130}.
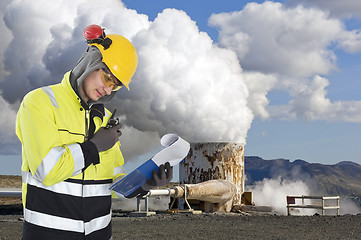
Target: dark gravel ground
{"x": 217, "y": 226}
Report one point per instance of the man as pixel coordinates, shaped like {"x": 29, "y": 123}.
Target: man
{"x": 70, "y": 157}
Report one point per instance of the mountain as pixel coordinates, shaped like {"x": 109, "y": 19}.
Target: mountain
{"x": 342, "y": 179}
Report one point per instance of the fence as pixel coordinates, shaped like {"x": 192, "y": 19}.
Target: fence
{"x": 291, "y": 203}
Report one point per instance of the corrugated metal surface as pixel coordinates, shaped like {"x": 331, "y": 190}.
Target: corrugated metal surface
{"x": 207, "y": 161}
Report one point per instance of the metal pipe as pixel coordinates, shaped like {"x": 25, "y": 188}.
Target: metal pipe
{"x": 10, "y": 192}
{"x": 213, "y": 191}
{"x": 162, "y": 192}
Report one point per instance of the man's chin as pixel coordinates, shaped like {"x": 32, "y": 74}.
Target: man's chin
{"x": 95, "y": 99}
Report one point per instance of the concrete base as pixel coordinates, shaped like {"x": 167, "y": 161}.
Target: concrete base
{"x": 130, "y": 204}
{"x": 141, "y": 214}
{"x": 191, "y": 211}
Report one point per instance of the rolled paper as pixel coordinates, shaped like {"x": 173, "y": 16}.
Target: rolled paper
{"x": 176, "y": 149}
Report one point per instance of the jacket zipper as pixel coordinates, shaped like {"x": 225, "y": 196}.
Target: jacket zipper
{"x": 87, "y": 124}
{"x": 86, "y": 138}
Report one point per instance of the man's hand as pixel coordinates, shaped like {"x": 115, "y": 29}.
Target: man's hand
{"x": 159, "y": 179}
{"x": 105, "y": 139}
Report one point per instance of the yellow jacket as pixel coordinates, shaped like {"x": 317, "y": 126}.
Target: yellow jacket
{"x": 59, "y": 190}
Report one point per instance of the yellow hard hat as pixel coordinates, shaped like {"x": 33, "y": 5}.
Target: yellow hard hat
{"x": 119, "y": 55}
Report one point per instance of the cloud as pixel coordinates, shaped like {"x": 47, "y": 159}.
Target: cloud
{"x": 350, "y": 41}
{"x": 278, "y": 39}
{"x": 340, "y": 9}
{"x": 288, "y": 48}
{"x": 47, "y": 41}
{"x": 5, "y": 38}
{"x": 309, "y": 102}
{"x": 259, "y": 85}
{"x": 184, "y": 83}
{"x": 29, "y": 25}
{"x": 9, "y": 144}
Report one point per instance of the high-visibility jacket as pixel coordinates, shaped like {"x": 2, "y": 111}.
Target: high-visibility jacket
{"x": 62, "y": 198}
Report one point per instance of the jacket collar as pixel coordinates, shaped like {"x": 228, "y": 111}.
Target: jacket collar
{"x": 67, "y": 86}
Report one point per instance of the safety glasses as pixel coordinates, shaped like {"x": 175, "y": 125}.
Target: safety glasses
{"x": 110, "y": 80}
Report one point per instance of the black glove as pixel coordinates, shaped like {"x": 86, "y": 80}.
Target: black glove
{"x": 159, "y": 179}
{"x": 105, "y": 139}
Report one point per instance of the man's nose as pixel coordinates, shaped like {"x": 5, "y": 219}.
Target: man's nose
{"x": 108, "y": 90}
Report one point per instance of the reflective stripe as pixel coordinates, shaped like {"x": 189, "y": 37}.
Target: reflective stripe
{"x": 97, "y": 223}
{"x": 51, "y": 95}
{"x": 119, "y": 170}
{"x": 53, "y": 156}
{"x": 69, "y": 188}
{"x": 60, "y": 223}
{"x": 78, "y": 157}
{"x": 48, "y": 162}
{"x": 97, "y": 190}
{"x": 54, "y": 222}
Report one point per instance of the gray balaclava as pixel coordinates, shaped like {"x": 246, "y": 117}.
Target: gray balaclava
{"x": 90, "y": 61}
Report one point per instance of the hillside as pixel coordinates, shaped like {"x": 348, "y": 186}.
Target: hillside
{"x": 343, "y": 178}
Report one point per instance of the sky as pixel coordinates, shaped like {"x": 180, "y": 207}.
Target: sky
{"x": 282, "y": 77}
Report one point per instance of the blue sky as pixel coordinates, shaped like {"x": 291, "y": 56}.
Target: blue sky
{"x": 283, "y": 76}
{"x": 314, "y": 141}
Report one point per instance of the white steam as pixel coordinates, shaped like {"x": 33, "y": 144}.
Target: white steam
{"x": 8, "y": 138}
{"x": 185, "y": 83}
{"x": 348, "y": 206}
{"x": 273, "y": 193}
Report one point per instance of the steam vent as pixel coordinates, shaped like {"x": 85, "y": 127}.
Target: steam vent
{"x": 209, "y": 161}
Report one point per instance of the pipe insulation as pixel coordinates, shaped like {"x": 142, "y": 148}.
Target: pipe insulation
{"x": 213, "y": 191}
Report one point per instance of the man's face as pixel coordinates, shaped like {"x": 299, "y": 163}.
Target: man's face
{"x": 93, "y": 87}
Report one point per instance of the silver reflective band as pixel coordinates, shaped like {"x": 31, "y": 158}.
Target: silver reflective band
{"x": 54, "y": 222}
{"x": 69, "y": 188}
{"x": 53, "y": 156}
{"x": 97, "y": 190}
{"x": 51, "y": 95}
{"x": 60, "y": 223}
{"x": 78, "y": 157}
{"x": 48, "y": 162}
{"x": 97, "y": 223}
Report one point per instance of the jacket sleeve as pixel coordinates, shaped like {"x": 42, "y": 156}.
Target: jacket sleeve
{"x": 119, "y": 170}
{"x": 49, "y": 161}
{"x": 116, "y": 153}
